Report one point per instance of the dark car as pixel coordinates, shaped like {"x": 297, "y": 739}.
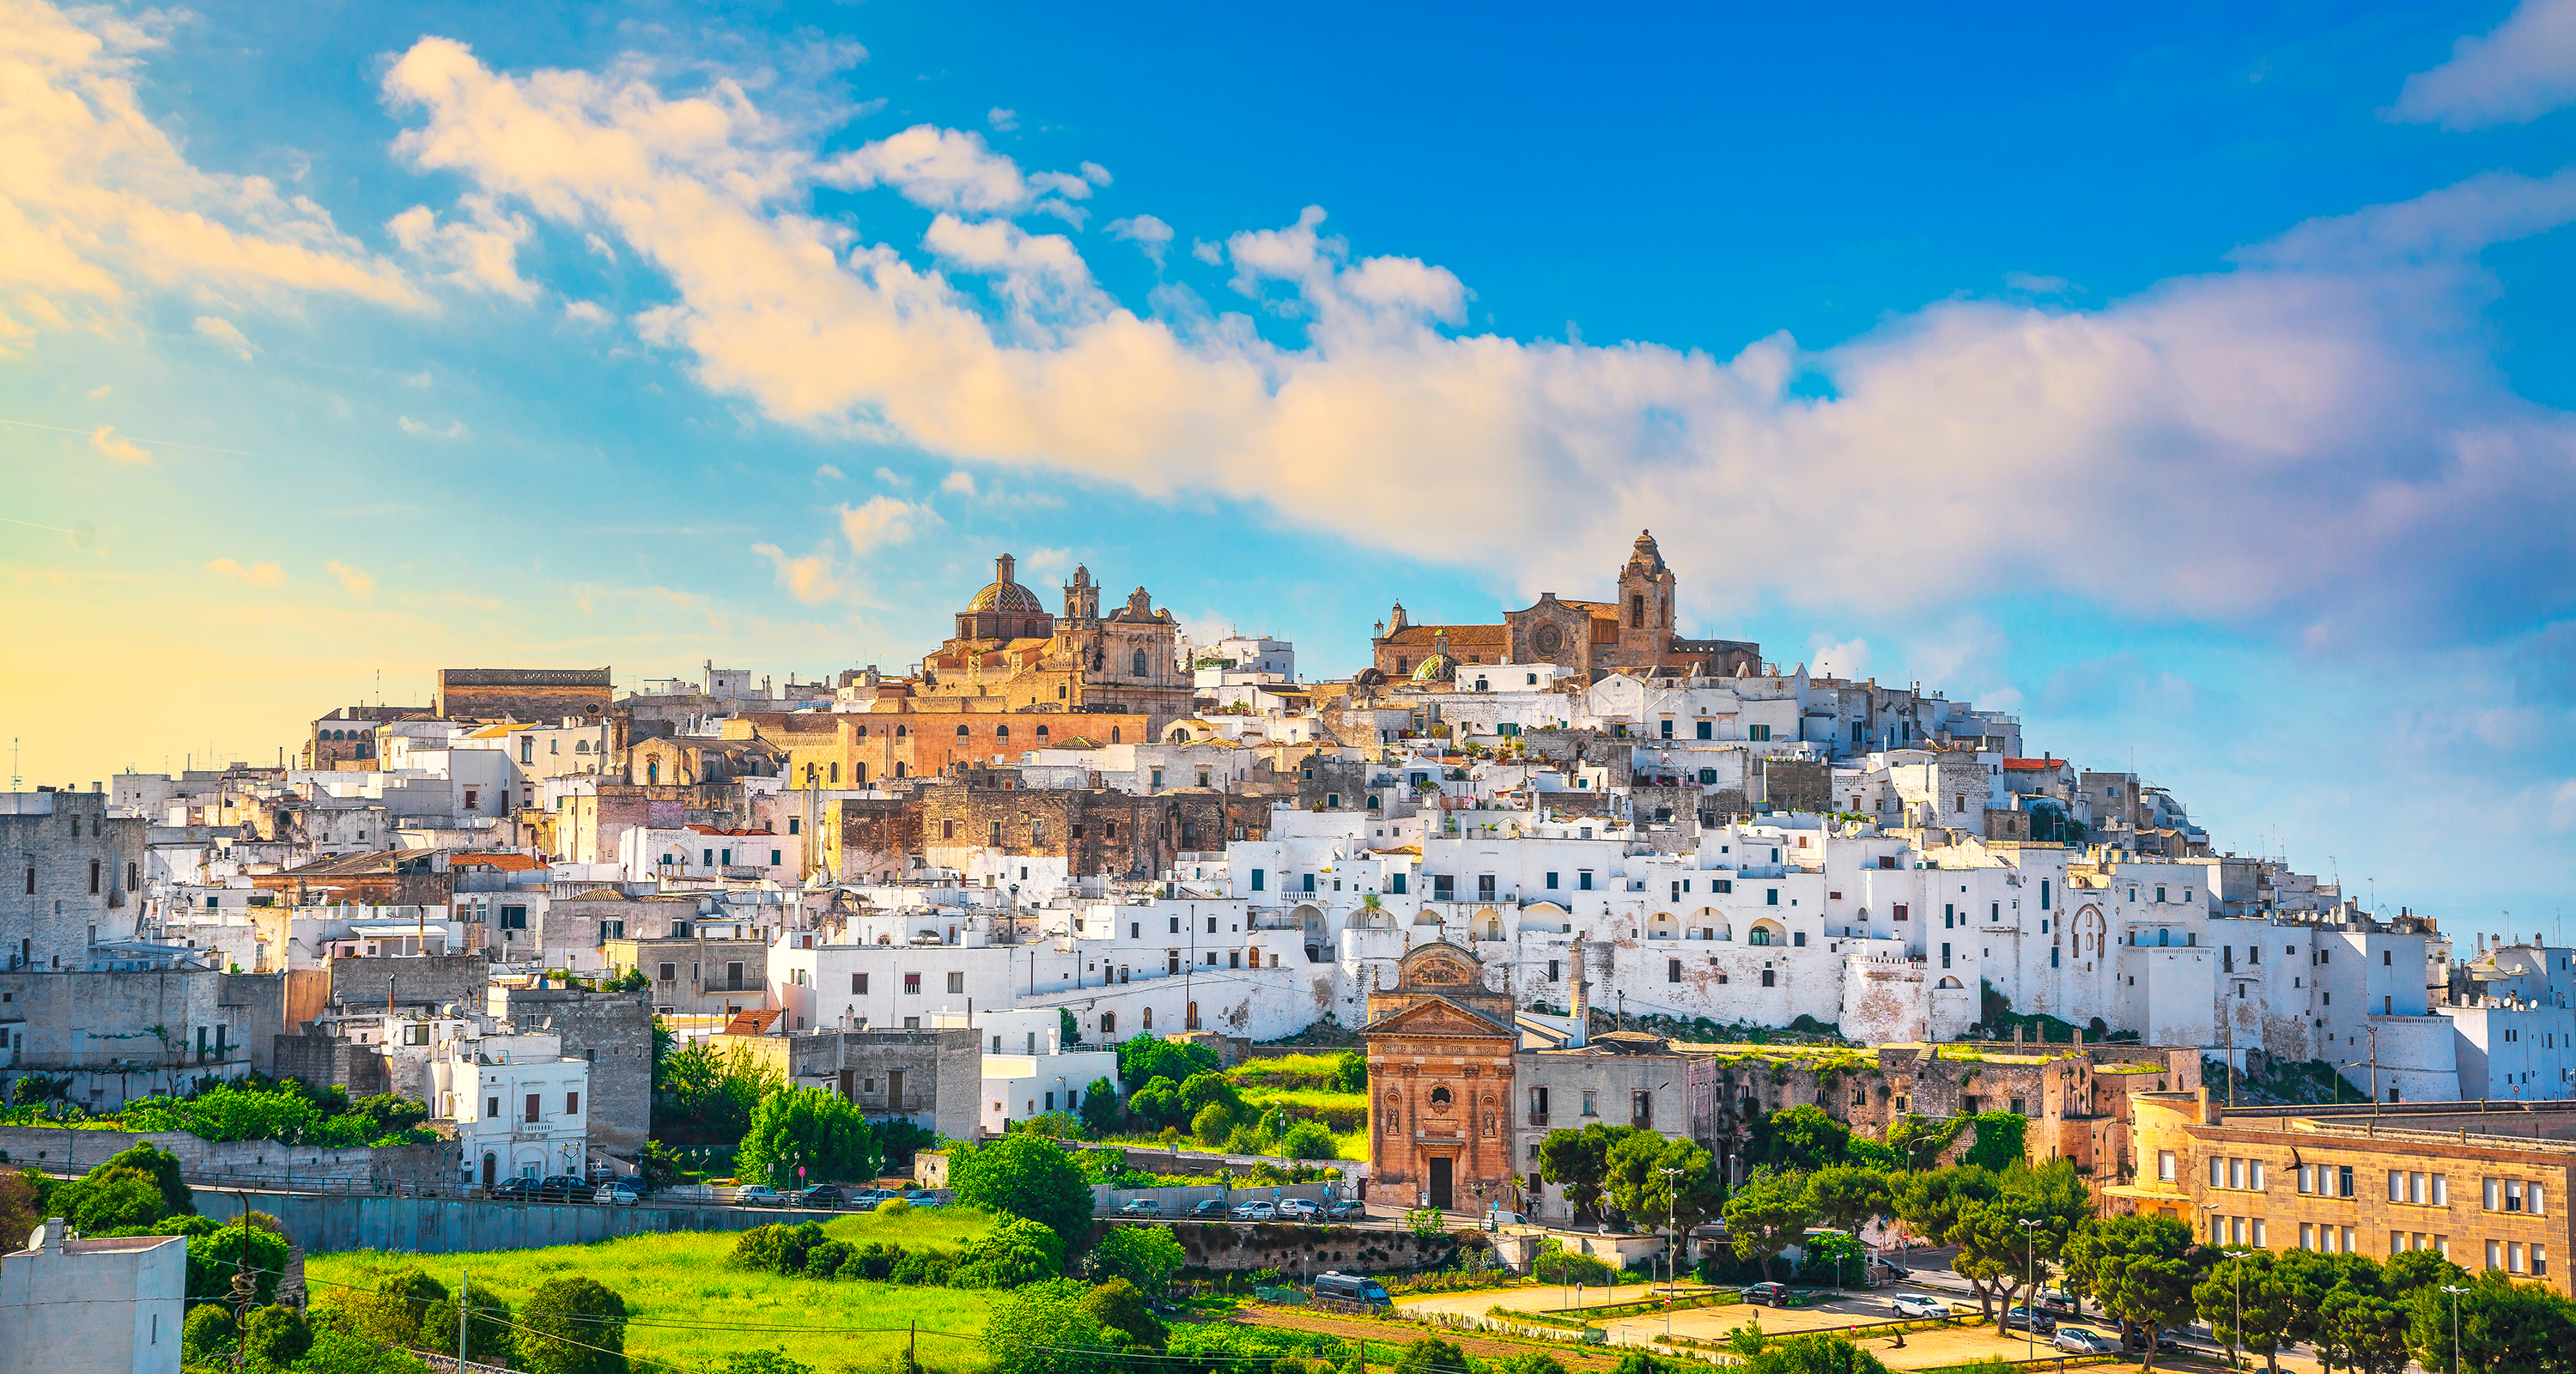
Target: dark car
{"x": 1208, "y": 1207}
{"x": 516, "y": 1189}
{"x": 565, "y": 1188}
{"x": 2167, "y": 1343}
{"x": 2021, "y": 1319}
{"x": 819, "y": 1195}
{"x": 1770, "y": 1294}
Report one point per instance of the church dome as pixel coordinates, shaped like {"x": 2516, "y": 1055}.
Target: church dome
{"x": 1436, "y": 668}
{"x": 1004, "y": 595}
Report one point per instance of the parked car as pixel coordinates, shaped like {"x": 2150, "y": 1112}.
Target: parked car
{"x": 1767, "y": 1294}
{"x": 1885, "y": 1271}
{"x": 563, "y": 1188}
{"x": 1358, "y": 1288}
{"x": 922, "y": 1197}
{"x": 516, "y": 1189}
{"x": 1911, "y": 1305}
{"x": 619, "y": 1192}
{"x": 1140, "y": 1207}
{"x": 1207, "y": 1207}
{"x": 1256, "y": 1211}
{"x": 2167, "y": 1343}
{"x": 755, "y": 1195}
{"x": 1300, "y": 1209}
{"x": 1345, "y": 1209}
{"x": 2022, "y": 1318}
{"x": 2081, "y": 1340}
{"x": 2055, "y": 1300}
{"x": 817, "y": 1196}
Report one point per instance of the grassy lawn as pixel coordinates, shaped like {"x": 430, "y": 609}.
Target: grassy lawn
{"x": 718, "y": 1310}
{"x": 1250, "y": 1073}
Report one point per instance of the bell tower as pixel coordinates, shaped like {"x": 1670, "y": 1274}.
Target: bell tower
{"x": 1082, "y": 597}
{"x": 1645, "y": 603}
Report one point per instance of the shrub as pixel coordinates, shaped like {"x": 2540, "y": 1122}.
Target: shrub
{"x": 777, "y": 1249}
{"x": 213, "y": 1256}
{"x": 573, "y": 1326}
{"x": 893, "y": 1207}
{"x": 275, "y": 1336}
{"x": 208, "y": 1332}
{"x": 1309, "y": 1140}
{"x": 827, "y": 1259}
{"x": 1044, "y": 1328}
{"x": 416, "y": 1291}
{"x": 1124, "y": 1315}
{"x": 1555, "y": 1264}
{"x": 763, "y": 1362}
{"x": 874, "y": 1260}
{"x": 1015, "y": 1251}
{"x": 1432, "y": 1355}
{"x": 1213, "y": 1123}
{"x": 487, "y": 1328}
{"x": 928, "y": 1268}
{"x": 1146, "y": 1256}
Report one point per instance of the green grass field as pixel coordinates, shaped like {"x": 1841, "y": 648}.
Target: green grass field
{"x": 716, "y": 1310}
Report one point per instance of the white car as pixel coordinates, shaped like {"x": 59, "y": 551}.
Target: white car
{"x": 1299, "y": 1209}
{"x": 1256, "y": 1211}
{"x": 2081, "y": 1341}
{"x": 1913, "y": 1306}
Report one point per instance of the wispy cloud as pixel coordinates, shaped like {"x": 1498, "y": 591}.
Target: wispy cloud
{"x": 256, "y": 574}
{"x": 2521, "y": 70}
{"x": 960, "y": 482}
{"x": 357, "y": 582}
{"x": 884, "y": 521}
{"x": 223, "y": 332}
{"x": 1003, "y": 121}
{"x": 1146, "y": 232}
{"x": 420, "y": 429}
{"x": 104, "y": 442}
{"x": 811, "y": 578}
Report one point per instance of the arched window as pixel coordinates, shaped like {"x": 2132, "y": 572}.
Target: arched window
{"x": 836, "y": 775}
{"x": 902, "y": 730}
{"x": 1042, "y": 732}
{"x": 899, "y": 769}
{"x": 1140, "y": 663}
{"x": 1113, "y": 734}
{"x": 1001, "y": 732}
{"x": 652, "y": 772}
{"x": 863, "y": 732}
{"x": 1149, "y": 1018}
{"x": 1108, "y": 1023}
{"x": 581, "y": 746}
{"x": 961, "y": 732}
{"x": 1637, "y": 611}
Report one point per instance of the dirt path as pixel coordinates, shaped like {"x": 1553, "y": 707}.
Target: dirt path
{"x": 1399, "y": 1335}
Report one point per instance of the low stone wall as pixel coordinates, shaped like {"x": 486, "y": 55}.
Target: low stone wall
{"x": 1105, "y": 1200}
{"x": 323, "y": 1224}
{"x": 207, "y": 1162}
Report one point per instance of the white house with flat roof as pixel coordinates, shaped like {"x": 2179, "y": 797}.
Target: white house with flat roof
{"x": 108, "y": 1306}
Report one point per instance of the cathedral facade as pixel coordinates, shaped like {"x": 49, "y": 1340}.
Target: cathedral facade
{"x": 1441, "y": 1049}
{"x": 1010, "y": 654}
{"x": 1633, "y": 634}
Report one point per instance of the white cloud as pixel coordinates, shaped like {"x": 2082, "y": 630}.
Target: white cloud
{"x": 2035, "y": 284}
{"x": 420, "y": 429}
{"x": 99, "y": 203}
{"x": 1039, "y": 276}
{"x": 2315, "y": 435}
{"x": 105, "y": 442}
{"x": 1844, "y": 658}
{"x": 1003, "y": 121}
{"x": 882, "y": 522}
{"x": 223, "y": 332}
{"x": 961, "y": 482}
{"x": 422, "y": 378}
{"x": 587, "y": 312}
{"x": 99, "y": 393}
{"x": 831, "y": 472}
{"x": 1146, "y": 232}
{"x": 256, "y": 574}
{"x": 1045, "y": 560}
{"x": 811, "y": 578}
{"x": 480, "y": 250}
{"x": 890, "y": 477}
{"x": 2523, "y": 69}
{"x": 357, "y": 582}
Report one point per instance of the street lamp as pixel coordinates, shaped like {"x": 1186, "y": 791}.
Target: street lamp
{"x": 1672, "y": 1211}
{"x": 2030, "y": 1261}
{"x": 2236, "y": 1334}
{"x": 2455, "y": 1325}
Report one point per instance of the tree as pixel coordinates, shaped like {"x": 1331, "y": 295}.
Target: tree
{"x": 572, "y": 1326}
{"x": 1921, "y": 1140}
{"x": 342, "y": 1345}
{"x": 713, "y": 1092}
{"x": 487, "y": 1327}
{"x": 1124, "y": 1315}
{"x": 213, "y": 1256}
{"x": 1013, "y": 1251}
{"x": 1580, "y": 1161}
{"x": 1024, "y": 1176}
{"x": 1157, "y": 1103}
{"x": 1432, "y": 1355}
{"x": 1100, "y": 1107}
{"x": 1800, "y": 1139}
{"x": 2504, "y": 1327}
{"x": 2409, "y": 1271}
{"x": 1213, "y": 1124}
{"x": 1200, "y": 1090}
{"x": 2310, "y": 1277}
{"x": 2362, "y": 1332}
{"x": 2142, "y": 1270}
{"x": 1144, "y": 1058}
{"x": 1535, "y": 1362}
{"x": 1929, "y": 1203}
{"x": 1850, "y": 1197}
{"x": 822, "y": 1133}
{"x": 162, "y": 1167}
{"x": 2257, "y": 1285}
{"x": 207, "y": 1333}
{"x": 1833, "y": 1258}
{"x": 110, "y": 1200}
{"x": 1814, "y": 1354}
{"x": 1146, "y": 1256}
{"x": 1309, "y": 1140}
{"x": 1639, "y": 1186}
{"x": 1044, "y": 1328}
{"x": 1350, "y": 1073}
{"x": 22, "y": 1203}
{"x": 763, "y": 1362}
{"x": 275, "y": 1336}
{"x": 1767, "y": 1215}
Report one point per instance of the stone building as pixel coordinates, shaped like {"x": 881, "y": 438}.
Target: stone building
{"x": 612, "y": 1032}
{"x": 1635, "y": 633}
{"x": 1008, "y": 649}
{"x": 932, "y": 1077}
{"x": 521, "y": 693}
{"x": 75, "y": 878}
{"x": 1440, "y": 1058}
{"x": 905, "y": 737}
{"x": 347, "y": 736}
{"x": 1106, "y": 832}
{"x": 861, "y": 838}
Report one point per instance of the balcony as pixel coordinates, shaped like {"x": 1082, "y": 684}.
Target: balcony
{"x": 1538, "y": 1118}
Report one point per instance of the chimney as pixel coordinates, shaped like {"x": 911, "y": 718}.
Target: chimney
{"x": 1582, "y": 1003}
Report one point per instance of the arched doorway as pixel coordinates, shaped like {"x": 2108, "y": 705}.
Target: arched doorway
{"x": 491, "y": 1169}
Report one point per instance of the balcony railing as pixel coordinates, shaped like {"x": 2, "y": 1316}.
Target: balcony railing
{"x": 1538, "y": 1118}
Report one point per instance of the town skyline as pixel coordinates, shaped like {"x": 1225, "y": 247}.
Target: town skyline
{"x": 2290, "y": 529}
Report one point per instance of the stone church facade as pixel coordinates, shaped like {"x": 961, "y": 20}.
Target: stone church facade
{"x": 1010, "y": 654}
{"x": 1633, "y": 634}
{"x": 1440, "y": 1050}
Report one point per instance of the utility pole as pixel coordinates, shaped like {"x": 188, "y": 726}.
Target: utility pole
{"x": 464, "y": 1304}
{"x": 2455, "y": 1325}
{"x": 2373, "y": 1065}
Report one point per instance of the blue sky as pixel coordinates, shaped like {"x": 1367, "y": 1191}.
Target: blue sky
{"x": 2195, "y": 386}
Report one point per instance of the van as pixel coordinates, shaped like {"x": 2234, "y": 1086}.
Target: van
{"x": 1358, "y": 1288}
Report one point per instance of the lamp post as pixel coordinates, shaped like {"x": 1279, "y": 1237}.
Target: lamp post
{"x": 2455, "y": 1325}
{"x": 2236, "y": 1334}
{"x": 2030, "y": 1262}
{"x": 1672, "y": 1223}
